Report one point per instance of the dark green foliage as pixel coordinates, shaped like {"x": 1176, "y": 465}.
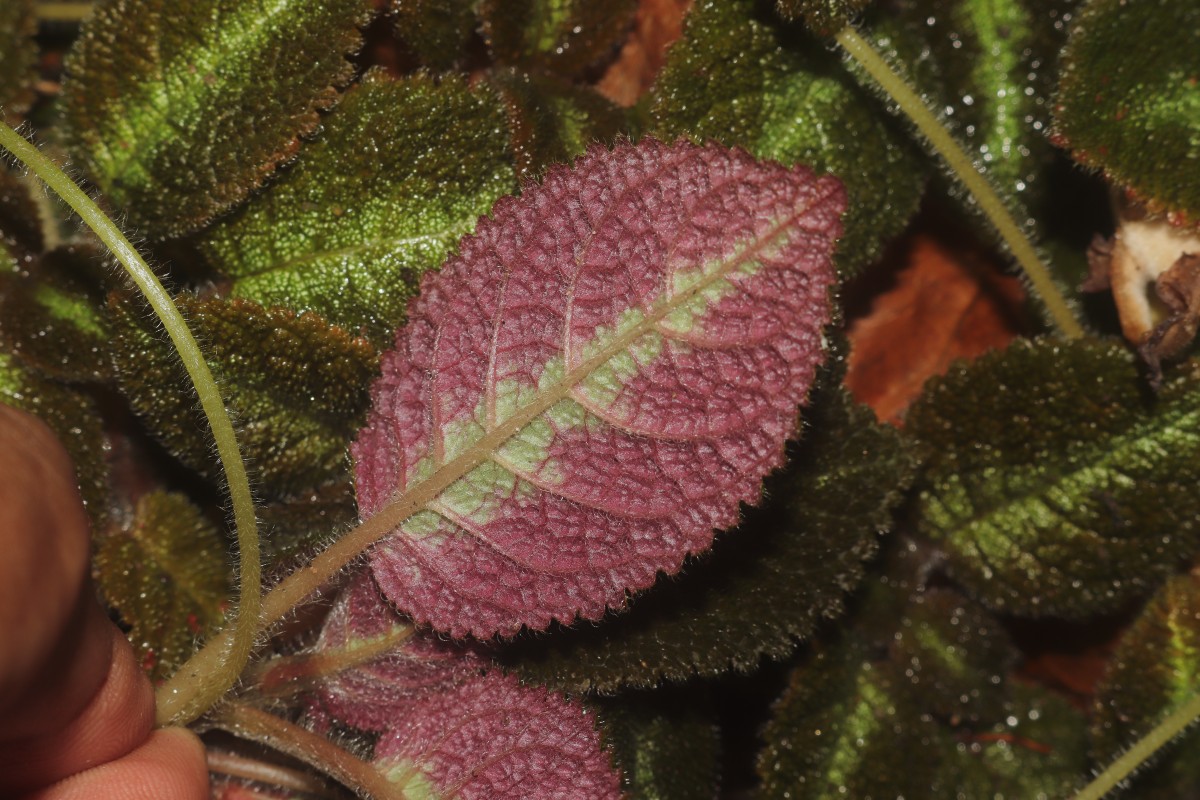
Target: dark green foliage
{"x": 53, "y": 315}
{"x": 297, "y": 526}
{"x": 436, "y": 30}
{"x": 731, "y": 79}
{"x": 666, "y": 744}
{"x": 21, "y": 238}
{"x": 165, "y": 571}
{"x": 1053, "y": 482}
{"x": 1129, "y": 98}
{"x": 563, "y": 36}
{"x": 924, "y": 712}
{"x": 297, "y": 386}
{"x": 179, "y": 110}
{"x": 762, "y": 587}
{"x": 552, "y": 120}
{"x": 18, "y": 56}
{"x": 73, "y": 418}
{"x": 988, "y": 67}
{"x": 403, "y": 170}
{"x": 1155, "y": 668}
{"x": 823, "y": 17}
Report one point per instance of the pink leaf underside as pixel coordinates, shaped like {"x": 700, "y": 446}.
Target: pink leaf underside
{"x": 448, "y": 728}
{"x": 626, "y": 344}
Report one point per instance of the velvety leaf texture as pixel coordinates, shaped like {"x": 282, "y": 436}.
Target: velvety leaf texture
{"x": 179, "y": 110}
{"x": 762, "y": 587}
{"x": 53, "y": 316}
{"x": 450, "y": 730}
{"x": 988, "y": 67}
{"x": 436, "y": 30}
{"x": 1156, "y": 667}
{"x": 18, "y": 56}
{"x": 604, "y": 372}
{"x": 73, "y": 418}
{"x": 823, "y": 17}
{"x": 20, "y": 228}
{"x": 300, "y": 524}
{"x": 1041, "y": 461}
{"x": 166, "y": 573}
{"x": 564, "y": 36}
{"x": 731, "y": 80}
{"x": 1129, "y": 98}
{"x": 297, "y": 384}
{"x": 403, "y": 170}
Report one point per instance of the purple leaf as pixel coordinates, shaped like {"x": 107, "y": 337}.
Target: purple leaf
{"x": 492, "y": 739}
{"x": 606, "y": 370}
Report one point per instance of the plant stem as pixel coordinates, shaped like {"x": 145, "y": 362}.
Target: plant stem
{"x": 237, "y": 766}
{"x": 1142, "y": 750}
{"x": 287, "y": 675}
{"x": 236, "y": 650}
{"x": 259, "y": 726}
{"x": 63, "y": 12}
{"x": 975, "y": 181}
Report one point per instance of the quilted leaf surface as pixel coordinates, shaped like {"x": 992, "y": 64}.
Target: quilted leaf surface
{"x": 593, "y": 385}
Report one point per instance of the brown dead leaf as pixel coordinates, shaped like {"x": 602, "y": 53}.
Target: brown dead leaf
{"x": 659, "y": 23}
{"x": 950, "y": 300}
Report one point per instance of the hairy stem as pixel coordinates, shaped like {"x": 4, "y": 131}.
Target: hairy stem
{"x": 259, "y": 726}
{"x": 250, "y": 769}
{"x": 63, "y": 12}
{"x": 1141, "y": 752}
{"x": 976, "y": 182}
{"x": 287, "y": 675}
{"x": 236, "y": 649}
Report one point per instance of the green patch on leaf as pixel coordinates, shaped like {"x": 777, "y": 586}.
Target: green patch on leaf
{"x": 1155, "y": 669}
{"x": 823, "y": 17}
{"x": 1054, "y": 484}
{"x": 297, "y": 386}
{"x": 552, "y": 120}
{"x": 666, "y": 744}
{"x": 403, "y": 170}
{"x": 763, "y": 586}
{"x": 436, "y": 30}
{"x": 1129, "y": 98}
{"x": 166, "y": 573}
{"x": 74, "y": 419}
{"x": 731, "y": 78}
{"x": 563, "y": 36}
{"x": 180, "y": 110}
{"x": 18, "y": 56}
{"x": 53, "y": 316}
{"x": 988, "y": 67}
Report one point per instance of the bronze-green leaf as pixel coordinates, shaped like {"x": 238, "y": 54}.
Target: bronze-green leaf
{"x": 1054, "y": 484}
{"x": 21, "y": 237}
{"x": 166, "y": 573}
{"x": 823, "y": 17}
{"x": 563, "y": 36}
{"x": 297, "y": 386}
{"x": 53, "y": 315}
{"x": 18, "y": 57}
{"x": 1129, "y": 98}
{"x": 731, "y": 78}
{"x": 762, "y": 587}
{"x": 179, "y": 110}
{"x": 436, "y": 30}
{"x": 404, "y": 169}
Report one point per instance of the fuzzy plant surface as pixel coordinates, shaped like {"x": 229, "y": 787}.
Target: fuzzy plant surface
{"x": 478, "y": 412}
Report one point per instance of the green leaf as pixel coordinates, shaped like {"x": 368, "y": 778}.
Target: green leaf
{"x": 436, "y": 30}
{"x": 731, "y": 79}
{"x": 53, "y": 315}
{"x": 552, "y": 121}
{"x": 404, "y": 169}
{"x": 74, "y": 419}
{"x": 297, "y": 385}
{"x": 166, "y": 573}
{"x": 563, "y": 36}
{"x": 1129, "y": 98}
{"x": 823, "y": 17}
{"x": 1156, "y": 667}
{"x": 1053, "y": 484}
{"x": 936, "y": 684}
{"x": 763, "y": 586}
{"x": 18, "y": 57}
{"x": 179, "y": 110}
{"x": 666, "y": 744}
{"x": 989, "y": 67}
